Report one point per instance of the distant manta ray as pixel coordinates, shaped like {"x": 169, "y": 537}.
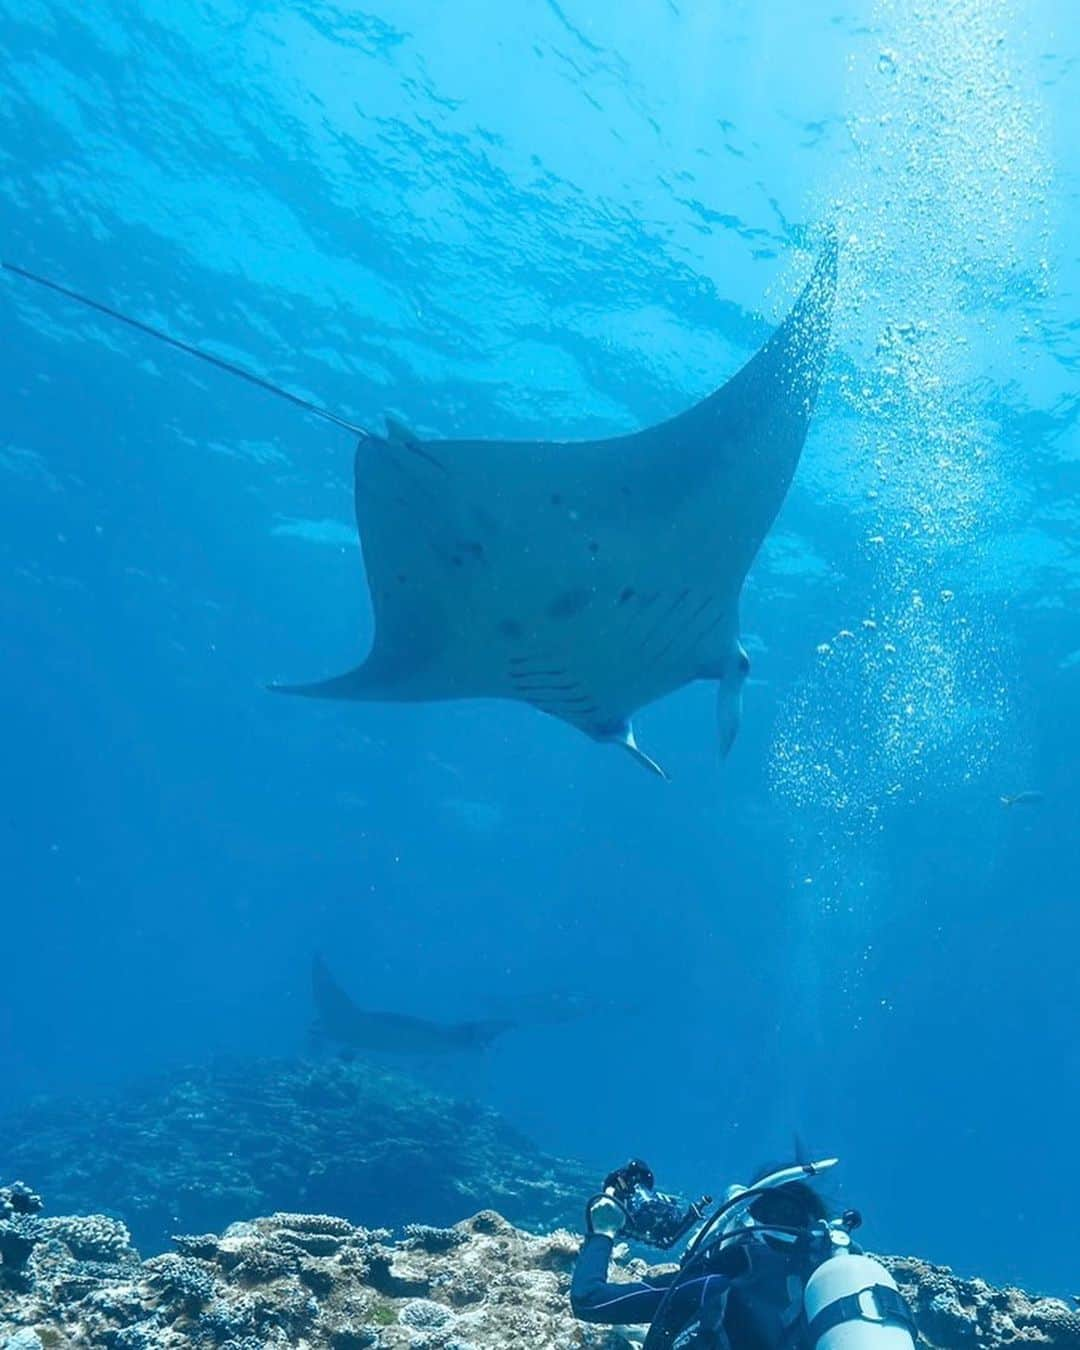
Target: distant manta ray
{"x": 584, "y": 578}
{"x": 339, "y": 1019}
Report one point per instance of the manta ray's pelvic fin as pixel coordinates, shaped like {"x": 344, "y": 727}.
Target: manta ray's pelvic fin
{"x": 624, "y": 736}
{"x": 314, "y": 408}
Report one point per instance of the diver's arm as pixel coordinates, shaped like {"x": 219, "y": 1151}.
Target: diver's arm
{"x": 595, "y": 1298}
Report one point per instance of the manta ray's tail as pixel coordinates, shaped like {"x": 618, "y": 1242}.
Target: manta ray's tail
{"x": 314, "y": 408}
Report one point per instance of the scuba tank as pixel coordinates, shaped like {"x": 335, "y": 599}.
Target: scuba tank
{"x": 851, "y": 1302}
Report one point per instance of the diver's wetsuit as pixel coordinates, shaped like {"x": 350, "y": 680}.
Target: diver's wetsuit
{"x": 750, "y": 1298}
{"x": 595, "y": 1298}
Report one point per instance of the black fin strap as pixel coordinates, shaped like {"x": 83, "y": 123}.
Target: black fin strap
{"x": 875, "y": 1303}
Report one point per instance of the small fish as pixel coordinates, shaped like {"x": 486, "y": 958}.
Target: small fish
{"x": 353, "y": 1028}
{"x": 1024, "y": 799}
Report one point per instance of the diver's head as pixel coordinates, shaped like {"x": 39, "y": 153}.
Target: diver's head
{"x": 729, "y": 696}
{"x": 793, "y": 1205}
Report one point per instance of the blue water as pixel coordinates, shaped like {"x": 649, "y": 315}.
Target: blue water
{"x": 558, "y": 219}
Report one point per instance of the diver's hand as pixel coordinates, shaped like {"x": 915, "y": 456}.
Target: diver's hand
{"x": 604, "y": 1215}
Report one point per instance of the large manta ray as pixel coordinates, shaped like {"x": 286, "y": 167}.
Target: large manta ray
{"x": 339, "y": 1019}
{"x": 585, "y": 578}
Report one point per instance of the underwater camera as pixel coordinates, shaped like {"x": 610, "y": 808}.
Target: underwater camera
{"x": 652, "y": 1217}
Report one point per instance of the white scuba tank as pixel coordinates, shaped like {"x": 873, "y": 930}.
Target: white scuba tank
{"x": 865, "y": 1325}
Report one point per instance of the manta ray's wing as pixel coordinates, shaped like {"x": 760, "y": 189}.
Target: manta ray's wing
{"x": 339, "y": 1018}
{"x": 333, "y": 1007}
{"x": 586, "y": 579}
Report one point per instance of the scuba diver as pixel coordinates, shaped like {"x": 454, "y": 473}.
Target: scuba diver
{"x": 767, "y": 1270}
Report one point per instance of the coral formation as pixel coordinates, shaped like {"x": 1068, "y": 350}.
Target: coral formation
{"x": 355, "y": 1145}
{"x": 192, "y": 1152}
{"x": 87, "y": 1242}
{"x": 958, "y": 1314}
{"x": 319, "y": 1282}
{"x": 18, "y": 1198}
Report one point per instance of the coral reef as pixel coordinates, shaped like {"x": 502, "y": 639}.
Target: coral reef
{"x": 350, "y": 1145}
{"x": 192, "y": 1152}
{"x": 319, "y": 1282}
{"x": 957, "y": 1314}
{"x": 93, "y": 1240}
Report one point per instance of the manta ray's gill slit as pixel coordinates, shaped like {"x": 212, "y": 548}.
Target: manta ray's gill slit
{"x": 542, "y": 674}
{"x": 706, "y": 604}
{"x": 654, "y": 631}
{"x": 708, "y": 629}
{"x": 550, "y": 688}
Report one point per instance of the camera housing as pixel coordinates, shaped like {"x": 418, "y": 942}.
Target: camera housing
{"x": 652, "y": 1216}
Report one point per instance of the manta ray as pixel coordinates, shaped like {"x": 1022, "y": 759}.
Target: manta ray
{"x": 339, "y": 1019}
{"x": 585, "y": 578}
